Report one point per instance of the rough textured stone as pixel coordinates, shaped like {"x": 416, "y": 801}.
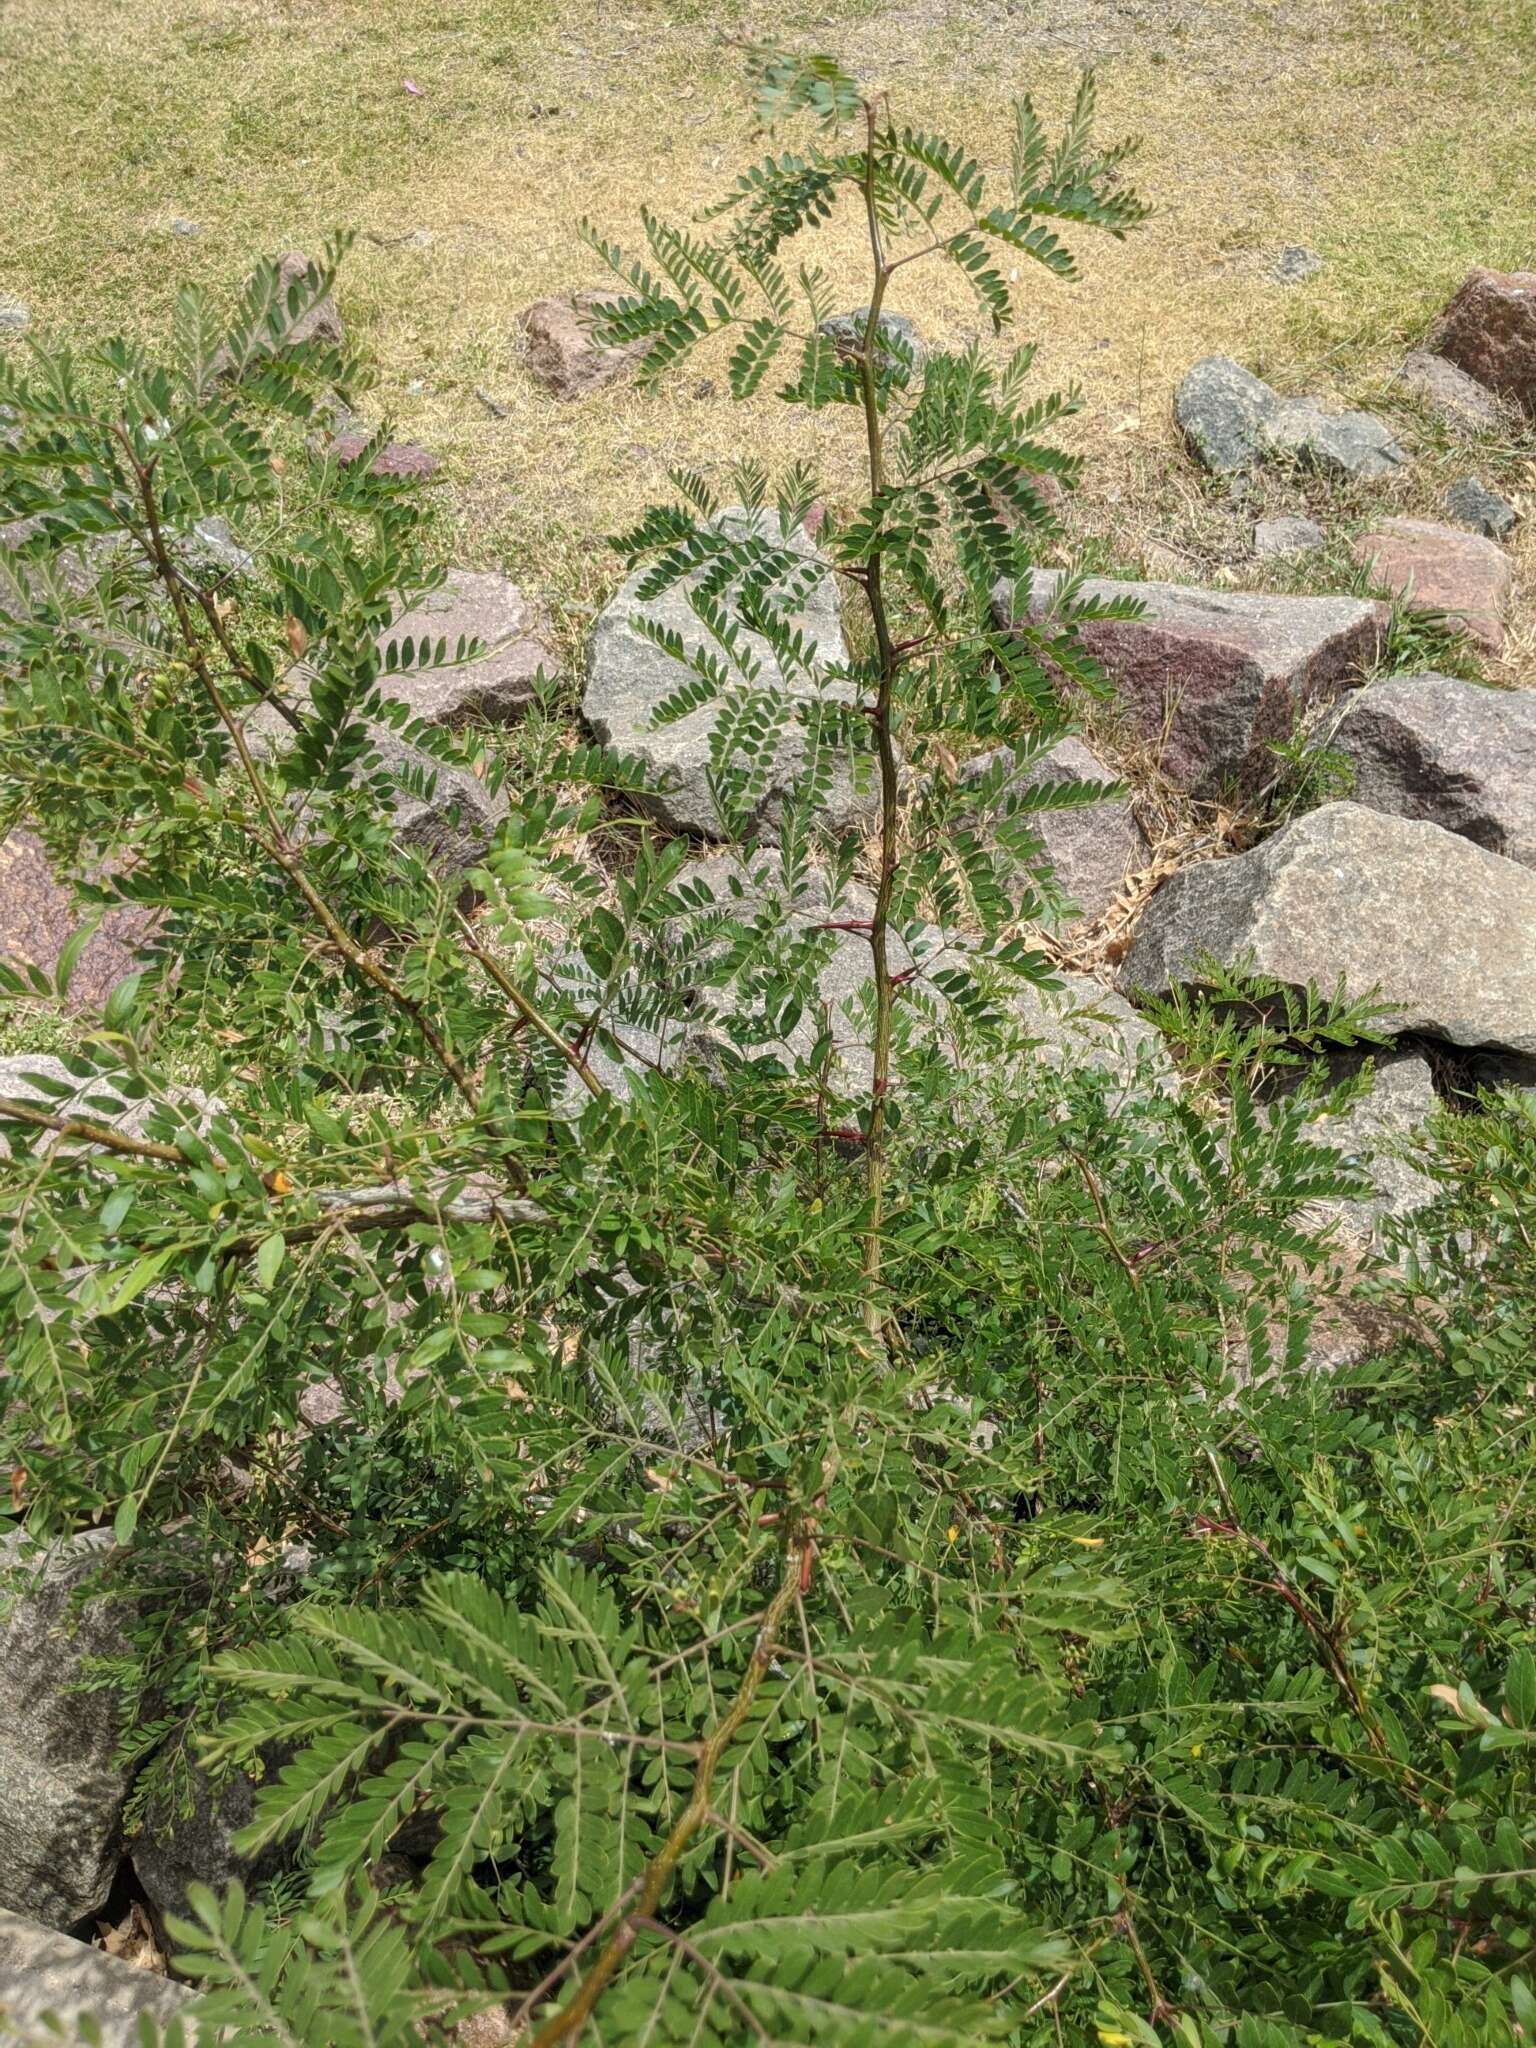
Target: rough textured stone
{"x": 495, "y": 684}
{"x": 1083, "y": 1024}
{"x": 1376, "y": 1133}
{"x": 169, "y": 1854}
{"x": 322, "y": 322}
{"x": 1091, "y": 850}
{"x": 560, "y": 351}
{"x": 1237, "y": 668}
{"x": 1489, "y": 330}
{"x": 1353, "y": 445}
{"x": 61, "y": 1795}
{"x": 1439, "y": 928}
{"x": 1088, "y": 1025}
{"x": 101, "y": 1100}
{"x": 1451, "y": 395}
{"x": 1233, "y": 421}
{"x": 16, "y": 1068}
{"x": 44, "y": 1973}
{"x": 210, "y": 549}
{"x": 1284, "y": 539}
{"x": 904, "y": 349}
{"x": 38, "y": 916}
{"x": 453, "y": 825}
{"x": 628, "y": 677}
{"x": 1221, "y": 409}
{"x": 1452, "y": 753}
{"x": 1474, "y": 506}
{"x": 1294, "y": 265}
{"x": 14, "y": 317}
{"x": 395, "y": 458}
{"x": 1442, "y": 569}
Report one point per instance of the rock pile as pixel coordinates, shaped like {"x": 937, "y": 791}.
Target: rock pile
{"x": 1234, "y": 421}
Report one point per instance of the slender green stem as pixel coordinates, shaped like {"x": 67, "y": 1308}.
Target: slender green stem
{"x": 529, "y": 1011}
{"x": 885, "y": 749}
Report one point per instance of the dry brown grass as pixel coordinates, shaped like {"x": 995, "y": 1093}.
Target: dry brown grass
{"x": 1395, "y": 138}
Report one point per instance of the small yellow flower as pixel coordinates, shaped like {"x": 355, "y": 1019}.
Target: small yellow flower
{"x": 1196, "y": 1748}
{"x": 1092, "y": 1543}
{"x": 952, "y": 1534}
{"x": 1113, "y": 2038}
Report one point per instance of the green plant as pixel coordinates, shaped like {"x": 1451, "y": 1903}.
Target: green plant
{"x": 1232, "y": 1026}
{"x": 815, "y": 1541}
{"x": 1309, "y": 771}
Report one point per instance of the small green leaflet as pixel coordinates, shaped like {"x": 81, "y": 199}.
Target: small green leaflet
{"x": 269, "y": 1257}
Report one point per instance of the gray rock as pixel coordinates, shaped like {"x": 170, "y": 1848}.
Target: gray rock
{"x": 454, "y": 822}
{"x": 211, "y": 549}
{"x": 1210, "y": 677}
{"x": 1439, "y": 929}
{"x": 1221, "y": 409}
{"x": 14, "y": 317}
{"x": 904, "y": 346}
{"x": 99, "y": 1100}
{"x": 844, "y": 986}
{"x": 1083, "y": 1024}
{"x": 1091, "y": 850}
{"x": 1473, "y": 505}
{"x": 1284, "y": 539}
{"x": 44, "y": 1975}
{"x": 1294, "y": 265}
{"x": 171, "y": 1852}
{"x": 444, "y": 811}
{"x": 61, "y": 1794}
{"x": 1088, "y": 1025}
{"x": 1353, "y": 445}
{"x": 629, "y": 677}
{"x": 1451, "y": 395}
{"x": 494, "y": 684}
{"x": 1377, "y": 1134}
{"x": 1233, "y": 421}
{"x": 322, "y": 321}
{"x": 16, "y": 1086}
{"x": 185, "y": 229}
{"x": 1449, "y": 752}
{"x": 561, "y": 352}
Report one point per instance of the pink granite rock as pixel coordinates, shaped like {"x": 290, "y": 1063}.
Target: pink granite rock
{"x": 38, "y": 916}
{"x": 1489, "y": 330}
{"x": 1442, "y": 569}
{"x": 1210, "y": 677}
{"x": 561, "y": 352}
